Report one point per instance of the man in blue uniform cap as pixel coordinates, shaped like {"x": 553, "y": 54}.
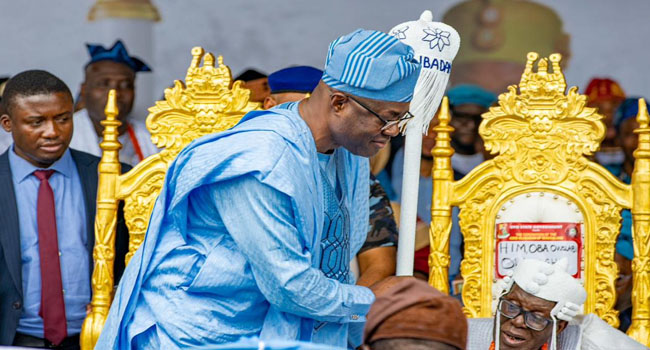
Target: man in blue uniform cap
{"x": 291, "y": 84}
{"x": 111, "y": 68}
{"x": 252, "y": 234}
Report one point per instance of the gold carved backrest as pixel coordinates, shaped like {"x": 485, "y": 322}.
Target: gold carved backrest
{"x": 208, "y": 102}
{"x": 205, "y": 104}
{"x": 542, "y": 135}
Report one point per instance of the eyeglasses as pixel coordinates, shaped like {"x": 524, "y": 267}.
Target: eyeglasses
{"x": 531, "y": 319}
{"x": 387, "y": 123}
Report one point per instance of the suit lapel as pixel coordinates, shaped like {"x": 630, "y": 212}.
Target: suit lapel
{"x": 87, "y": 169}
{"x": 9, "y": 226}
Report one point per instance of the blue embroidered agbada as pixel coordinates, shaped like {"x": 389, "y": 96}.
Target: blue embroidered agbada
{"x": 214, "y": 267}
{"x": 251, "y": 236}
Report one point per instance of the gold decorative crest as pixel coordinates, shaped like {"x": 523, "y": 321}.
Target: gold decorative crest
{"x": 541, "y": 126}
{"x": 541, "y": 135}
{"x": 208, "y": 102}
{"x": 205, "y": 104}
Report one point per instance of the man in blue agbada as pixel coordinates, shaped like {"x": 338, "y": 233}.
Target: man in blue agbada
{"x": 253, "y": 232}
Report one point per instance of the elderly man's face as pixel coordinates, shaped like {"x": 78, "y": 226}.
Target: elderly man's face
{"x": 103, "y": 76}
{"x": 515, "y": 334}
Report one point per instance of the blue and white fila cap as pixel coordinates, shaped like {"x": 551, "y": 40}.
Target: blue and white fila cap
{"x": 372, "y": 64}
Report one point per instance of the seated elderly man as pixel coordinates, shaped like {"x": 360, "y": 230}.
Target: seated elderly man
{"x": 534, "y": 312}
{"x": 408, "y": 314}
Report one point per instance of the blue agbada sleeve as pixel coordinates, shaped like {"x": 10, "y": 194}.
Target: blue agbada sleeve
{"x": 260, "y": 220}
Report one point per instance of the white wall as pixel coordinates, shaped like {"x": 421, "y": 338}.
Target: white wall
{"x": 608, "y": 37}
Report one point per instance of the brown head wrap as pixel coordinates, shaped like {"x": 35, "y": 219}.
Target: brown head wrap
{"x": 410, "y": 308}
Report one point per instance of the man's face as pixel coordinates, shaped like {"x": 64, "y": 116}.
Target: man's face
{"x": 101, "y": 77}
{"x": 259, "y": 89}
{"x": 628, "y": 139}
{"x": 607, "y": 108}
{"x": 465, "y": 120}
{"x": 514, "y": 332}
{"x": 41, "y": 126}
{"x": 358, "y": 130}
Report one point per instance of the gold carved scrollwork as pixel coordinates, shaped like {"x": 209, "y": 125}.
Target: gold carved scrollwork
{"x": 208, "y": 102}
{"x": 640, "y": 327}
{"x": 473, "y": 268}
{"x": 440, "y": 227}
{"x": 138, "y": 206}
{"x": 601, "y": 254}
{"x": 205, "y": 104}
{"x": 541, "y": 134}
{"x": 105, "y": 224}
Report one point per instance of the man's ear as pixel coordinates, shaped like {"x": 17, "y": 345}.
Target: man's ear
{"x": 5, "y": 121}
{"x": 338, "y": 102}
{"x": 269, "y": 102}
{"x": 561, "y": 326}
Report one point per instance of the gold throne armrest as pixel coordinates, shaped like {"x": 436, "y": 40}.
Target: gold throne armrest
{"x": 205, "y": 104}
{"x": 542, "y": 135}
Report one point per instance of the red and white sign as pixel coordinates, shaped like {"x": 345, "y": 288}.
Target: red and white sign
{"x": 548, "y": 241}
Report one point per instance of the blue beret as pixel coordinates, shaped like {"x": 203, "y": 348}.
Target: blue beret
{"x": 295, "y": 79}
{"x": 118, "y": 54}
{"x": 372, "y": 64}
{"x": 471, "y": 94}
{"x": 628, "y": 109}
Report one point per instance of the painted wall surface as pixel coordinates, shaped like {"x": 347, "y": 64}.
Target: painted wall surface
{"x": 608, "y": 38}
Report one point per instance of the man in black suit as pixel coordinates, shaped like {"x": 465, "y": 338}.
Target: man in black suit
{"x": 47, "y": 204}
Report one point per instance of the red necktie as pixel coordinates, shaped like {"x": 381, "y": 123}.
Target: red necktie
{"x": 52, "y": 304}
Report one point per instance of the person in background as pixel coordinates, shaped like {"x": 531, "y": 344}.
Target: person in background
{"x": 625, "y": 123}
{"x": 256, "y": 82}
{"x": 48, "y": 194}
{"x": 108, "y": 69}
{"x": 291, "y": 84}
{"x": 466, "y": 103}
{"x": 377, "y": 257}
{"x": 409, "y": 314}
{"x": 607, "y": 95}
{"x": 5, "y": 137}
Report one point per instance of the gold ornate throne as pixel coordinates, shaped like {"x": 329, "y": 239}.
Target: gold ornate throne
{"x": 541, "y": 137}
{"x": 205, "y": 104}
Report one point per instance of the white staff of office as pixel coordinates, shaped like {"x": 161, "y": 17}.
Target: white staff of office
{"x": 436, "y": 44}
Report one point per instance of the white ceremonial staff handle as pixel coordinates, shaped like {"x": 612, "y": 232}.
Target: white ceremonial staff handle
{"x": 409, "y": 200}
